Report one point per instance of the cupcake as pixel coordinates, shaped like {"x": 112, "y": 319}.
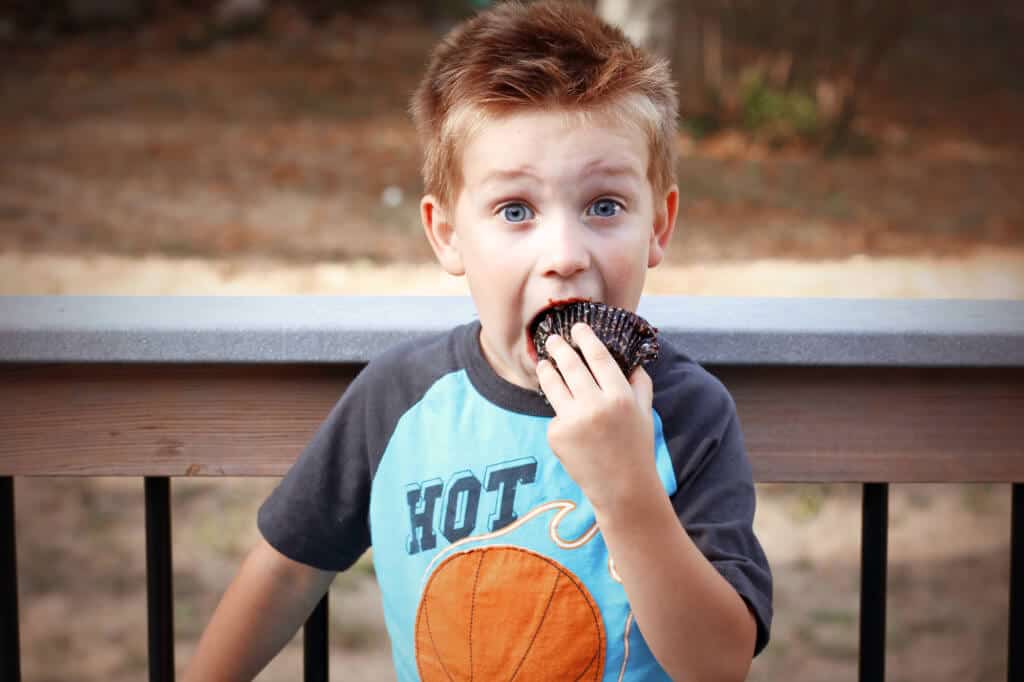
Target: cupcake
{"x": 630, "y": 339}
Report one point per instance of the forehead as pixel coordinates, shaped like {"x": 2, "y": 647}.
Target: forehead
{"x": 553, "y": 145}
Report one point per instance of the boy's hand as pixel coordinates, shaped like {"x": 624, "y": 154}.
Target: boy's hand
{"x": 603, "y": 431}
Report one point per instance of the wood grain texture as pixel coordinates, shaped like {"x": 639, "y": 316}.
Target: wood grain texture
{"x": 800, "y": 423}
{"x": 162, "y": 420}
{"x": 881, "y": 424}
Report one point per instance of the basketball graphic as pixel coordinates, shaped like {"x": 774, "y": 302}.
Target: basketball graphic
{"x": 506, "y": 613}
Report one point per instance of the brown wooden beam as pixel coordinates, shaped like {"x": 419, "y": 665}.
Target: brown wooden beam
{"x": 899, "y": 425}
{"x": 162, "y": 420}
{"x": 821, "y": 424}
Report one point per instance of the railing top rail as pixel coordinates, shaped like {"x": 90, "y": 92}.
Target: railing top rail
{"x": 327, "y": 329}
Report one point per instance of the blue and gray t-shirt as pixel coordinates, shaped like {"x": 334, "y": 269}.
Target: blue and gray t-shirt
{"x": 486, "y": 551}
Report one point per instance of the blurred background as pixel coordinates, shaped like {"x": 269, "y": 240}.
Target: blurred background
{"x": 837, "y": 148}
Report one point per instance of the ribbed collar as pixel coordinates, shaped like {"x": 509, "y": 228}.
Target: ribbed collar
{"x": 486, "y": 381}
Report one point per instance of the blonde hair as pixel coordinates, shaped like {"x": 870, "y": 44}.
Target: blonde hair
{"x": 555, "y": 55}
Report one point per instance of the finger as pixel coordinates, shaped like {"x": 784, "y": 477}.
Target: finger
{"x": 574, "y": 371}
{"x": 643, "y": 387}
{"x": 551, "y": 383}
{"x": 606, "y": 371}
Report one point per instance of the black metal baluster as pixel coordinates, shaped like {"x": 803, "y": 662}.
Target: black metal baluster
{"x": 873, "y": 557}
{"x": 159, "y": 588}
{"x": 10, "y": 652}
{"x": 1015, "y": 657}
{"x": 314, "y": 644}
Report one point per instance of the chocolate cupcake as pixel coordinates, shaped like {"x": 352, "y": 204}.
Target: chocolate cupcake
{"x": 630, "y": 339}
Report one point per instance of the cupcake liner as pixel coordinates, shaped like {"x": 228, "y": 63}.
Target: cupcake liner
{"x": 630, "y": 339}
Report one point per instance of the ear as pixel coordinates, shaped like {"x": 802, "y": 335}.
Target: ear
{"x": 440, "y": 231}
{"x": 665, "y": 211}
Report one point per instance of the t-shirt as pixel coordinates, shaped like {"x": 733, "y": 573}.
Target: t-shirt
{"x": 487, "y": 554}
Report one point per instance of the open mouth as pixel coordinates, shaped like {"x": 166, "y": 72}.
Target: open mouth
{"x": 531, "y": 328}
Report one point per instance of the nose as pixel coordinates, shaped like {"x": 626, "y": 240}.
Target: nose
{"x": 564, "y": 248}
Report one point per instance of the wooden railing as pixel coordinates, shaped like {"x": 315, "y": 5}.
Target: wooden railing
{"x": 828, "y": 390}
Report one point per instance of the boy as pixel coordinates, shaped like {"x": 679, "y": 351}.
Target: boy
{"x": 515, "y": 537}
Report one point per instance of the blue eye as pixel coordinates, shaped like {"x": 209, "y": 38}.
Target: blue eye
{"x": 604, "y": 208}
{"x": 516, "y": 213}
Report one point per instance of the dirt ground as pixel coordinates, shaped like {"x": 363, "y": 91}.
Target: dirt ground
{"x": 285, "y": 164}
{"x": 296, "y": 144}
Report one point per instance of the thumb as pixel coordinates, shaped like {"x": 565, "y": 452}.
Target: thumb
{"x": 643, "y": 387}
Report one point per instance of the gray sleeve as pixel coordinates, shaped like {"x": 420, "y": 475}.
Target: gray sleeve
{"x": 317, "y": 514}
{"x": 715, "y": 499}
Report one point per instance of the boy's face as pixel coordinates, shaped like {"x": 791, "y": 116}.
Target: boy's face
{"x": 550, "y": 208}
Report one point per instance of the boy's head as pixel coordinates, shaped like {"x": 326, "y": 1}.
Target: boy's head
{"x": 544, "y": 55}
{"x": 549, "y": 145}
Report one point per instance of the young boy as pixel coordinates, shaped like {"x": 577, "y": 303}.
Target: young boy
{"x": 605, "y": 534}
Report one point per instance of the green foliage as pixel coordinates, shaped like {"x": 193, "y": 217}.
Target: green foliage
{"x": 777, "y": 114}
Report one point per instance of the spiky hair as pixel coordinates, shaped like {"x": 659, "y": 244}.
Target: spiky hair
{"x": 542, "y": 55}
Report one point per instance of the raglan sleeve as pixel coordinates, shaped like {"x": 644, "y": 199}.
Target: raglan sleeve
{"x": 318, "y": 513}
{"x": 715, "y": 497}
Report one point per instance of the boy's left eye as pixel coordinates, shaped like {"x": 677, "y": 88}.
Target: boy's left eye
{"x": 604, "y": 208}
{"x": 516, "y": 212}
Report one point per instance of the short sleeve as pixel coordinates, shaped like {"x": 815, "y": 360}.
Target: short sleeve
{"x": 715, "y": 497}
{"x": 317, "y": 515}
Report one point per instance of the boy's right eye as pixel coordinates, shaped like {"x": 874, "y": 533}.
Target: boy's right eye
{"x": 516, "y": 212}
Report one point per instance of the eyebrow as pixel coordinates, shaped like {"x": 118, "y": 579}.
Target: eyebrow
{"x": 599, "y": 167}
{"x": 505, "y": 175}
{"x": 595, "y": 167}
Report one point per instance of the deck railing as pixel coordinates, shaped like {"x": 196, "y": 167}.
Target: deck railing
{"x": 828, "y": 390}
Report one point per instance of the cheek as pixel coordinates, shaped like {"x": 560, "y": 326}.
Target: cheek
{"x": 491, "y": 248}
{"x": 496, "y": 293}
{"x": 626, "y": 257}
{"x": 624, "y": 274}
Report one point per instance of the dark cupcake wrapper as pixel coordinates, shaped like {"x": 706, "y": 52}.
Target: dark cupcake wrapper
{"x": 630, "y": 339}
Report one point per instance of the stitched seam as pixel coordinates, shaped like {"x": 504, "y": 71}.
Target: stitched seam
{"x": 544, "y": 615}
{"x": 433, "y": 642}
{"x": 437, "y": 654}
{"x": 472, "y": 612}
{"x": 590, "y": 664}
{"x": 600, "y": 639}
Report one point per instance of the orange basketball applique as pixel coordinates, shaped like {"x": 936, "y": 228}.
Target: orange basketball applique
{"x": 506, "y": 613}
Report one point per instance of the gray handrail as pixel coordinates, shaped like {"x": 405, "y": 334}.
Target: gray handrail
{"x": 325, "y": 329}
